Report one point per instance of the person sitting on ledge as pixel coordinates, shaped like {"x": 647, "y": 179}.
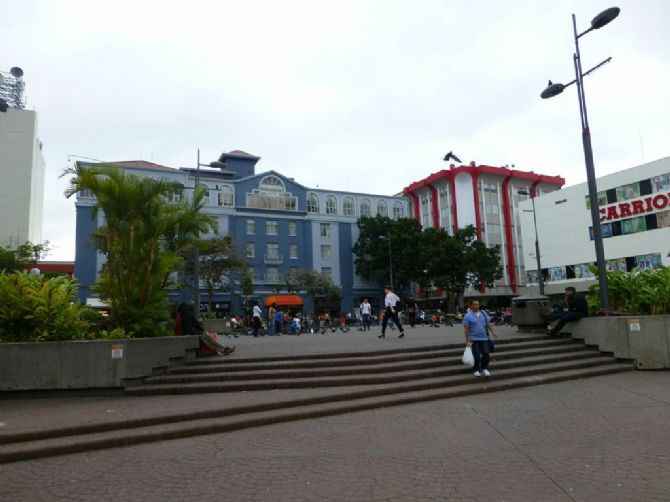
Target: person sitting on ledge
{"x": 189, "y": 325}
{"x": 577, "y": 308}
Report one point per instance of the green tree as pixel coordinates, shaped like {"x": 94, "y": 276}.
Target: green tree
{"x": 24, "y": 257}
{"x": 142, "y": 238}
{"x": 373, "y": 247}
{"x": 454, "y": 263}
{"x": 247, "y": 283}
{"x": 218, "y": 260}
{"x": 314, "y": 284}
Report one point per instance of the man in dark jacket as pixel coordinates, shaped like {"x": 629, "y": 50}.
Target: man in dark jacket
{"x": 577, "y": 308}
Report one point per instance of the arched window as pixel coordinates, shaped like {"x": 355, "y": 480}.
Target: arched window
{"x": 331, "y": 205}
{"x": 398, "y": 211}
{"x": 365, "y": 207}
{"x": 271, "y": 184}
{"x": 382, "y": 208}
{"x": 312, "y": 203}
{"x": 272, "y": 194}
{"x": 348, "y": 206}
{"x": 225, "y": 196}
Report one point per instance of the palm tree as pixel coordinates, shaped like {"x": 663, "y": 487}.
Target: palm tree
{"x": 141, "y": 237}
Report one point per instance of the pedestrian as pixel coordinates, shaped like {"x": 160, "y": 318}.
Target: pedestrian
{"x": 366, "y": 310}
{"x": 256, "y": 318}
{"x": 209, "y": 341}
{"x": 577, "y": 308}
{"x": 477, "y": 325}
{"x": 278, "y": 321}
{"x": 412, "y": 309}
{"x": 271, "y": 319}
{"x": 295, "y": 325}
{"x": 390, "y": 302}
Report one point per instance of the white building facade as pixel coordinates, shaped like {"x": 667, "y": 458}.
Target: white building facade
{"x": 635, "y": 221}
{"x": 22, "y": 167}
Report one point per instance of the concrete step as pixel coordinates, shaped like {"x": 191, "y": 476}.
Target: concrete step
{"x": 60, "y": 442}
{"x": 502, "y": 359}
{"x": 225, "y": 364}
{"x": 455, "y": 376}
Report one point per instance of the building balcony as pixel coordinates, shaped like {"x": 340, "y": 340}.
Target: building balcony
{"x": 273, "y": 259}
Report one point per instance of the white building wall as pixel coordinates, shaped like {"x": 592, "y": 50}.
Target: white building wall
{"x": 22, "y": 167}
{"x": 465, "y": 197}
{"x": 563, "y": 222}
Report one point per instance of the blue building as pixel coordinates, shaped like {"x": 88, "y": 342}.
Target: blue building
{"x": 277, "y": 223}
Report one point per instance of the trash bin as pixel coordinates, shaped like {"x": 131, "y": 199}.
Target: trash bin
{"x": 531, "y": 312}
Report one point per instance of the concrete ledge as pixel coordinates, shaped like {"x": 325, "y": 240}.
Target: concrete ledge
{"x": 644, "y": 339}
{"x": 89, "y": 364}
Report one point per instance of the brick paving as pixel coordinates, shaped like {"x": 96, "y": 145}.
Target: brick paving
{"x": 598, "y": 439}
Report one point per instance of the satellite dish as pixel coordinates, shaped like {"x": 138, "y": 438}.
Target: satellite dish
{"x": 16, "y": 71}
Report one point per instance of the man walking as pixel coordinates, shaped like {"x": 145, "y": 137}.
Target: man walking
{"x": 477, "y": 325}
{"x": 577, "y": 308}
{"x": 366, "y": 310}
{"x": 390, "y": 302}
{"x": 412, "y": 308}
{"x": 256, "y": 319}
{"x": 271, "y": 319}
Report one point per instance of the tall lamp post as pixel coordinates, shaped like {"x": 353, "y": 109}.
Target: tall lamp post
{"x": 602, "y": 19}
{"x": 540, "y": 278}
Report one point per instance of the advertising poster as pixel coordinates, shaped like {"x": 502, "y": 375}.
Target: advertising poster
{"x": 557, "y": 274}
{"x": 648, "y": 261}
{"x": 633, "y": 225}
{"x": 583, "y": 270}
{"x": 627, "y": 192}
{"x": 660, "y": 183}
{"x": 663, "y": 219}
{"x": 616, "y": 265}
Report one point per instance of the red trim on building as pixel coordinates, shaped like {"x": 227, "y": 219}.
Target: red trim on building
{"x": 61, "y": 267}
{"x": 509, "y": 239}
{"x": 415, "y": 198}
{"x": 434, "y": 207}
{"x": 454, "y": 208}
{"x": 533, "y": 188}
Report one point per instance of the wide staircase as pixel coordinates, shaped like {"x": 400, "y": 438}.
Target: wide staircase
{"x": 269, "y": 390}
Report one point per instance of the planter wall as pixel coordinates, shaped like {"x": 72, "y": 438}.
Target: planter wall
{"x": 89, "y": 364}
{"x": 644, "y": 339}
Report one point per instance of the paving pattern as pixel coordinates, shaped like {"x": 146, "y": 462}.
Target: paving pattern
{"x": 598, "y": 439}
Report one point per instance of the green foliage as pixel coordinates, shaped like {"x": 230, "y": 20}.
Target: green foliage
{"x": 142, "y": 239}
{"x": 313, "y": 283}
{"x": 373, "y": 248}
{"x": 35, "y": 308}
{"x": 247, "y": 283}
{"x": 24, "y": 257}
{"x": 639, "y": 292}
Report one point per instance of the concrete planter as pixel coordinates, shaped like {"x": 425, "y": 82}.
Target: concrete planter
{"x": 644, "y": 339}
{"x": 89, "y": 364}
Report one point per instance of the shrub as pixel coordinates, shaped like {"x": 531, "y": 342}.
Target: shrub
{"x": 36, "y": 308}
{"x": 638, "y": 292}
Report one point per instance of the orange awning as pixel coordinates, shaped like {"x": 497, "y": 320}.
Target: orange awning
{"x": 283, "y": 300}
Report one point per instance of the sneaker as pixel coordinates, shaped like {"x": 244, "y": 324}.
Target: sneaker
{"x": 487, "y": 373}
{"x": 477, "y": 374}
{"x": 228, "y": 350}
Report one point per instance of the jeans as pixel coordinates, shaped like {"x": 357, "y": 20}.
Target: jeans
{"x": 565, "y": 318}
{"x": 366, "y": 321}
{"x": 480, "y": 351}
{"x": 271, "y": 327}
{"x": 394, "y": 317}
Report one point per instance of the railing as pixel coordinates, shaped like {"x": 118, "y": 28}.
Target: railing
{"x": 273, "y": 259}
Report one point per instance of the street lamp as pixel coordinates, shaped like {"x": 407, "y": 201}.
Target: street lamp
{"x": 602, "y": 19}
{"x": 540, "y": 278}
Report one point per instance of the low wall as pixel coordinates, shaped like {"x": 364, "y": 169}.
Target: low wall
{"x": 644, "y": 339}
{"x": 89, "y": 364}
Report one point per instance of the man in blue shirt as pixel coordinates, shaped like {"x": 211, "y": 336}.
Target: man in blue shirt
{"x": 477, "y": 325}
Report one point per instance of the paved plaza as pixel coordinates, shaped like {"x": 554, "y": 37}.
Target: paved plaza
{"x": 604, "y": 438}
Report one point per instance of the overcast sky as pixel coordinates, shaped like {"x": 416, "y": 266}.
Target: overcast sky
{"x": 351, "y": 95}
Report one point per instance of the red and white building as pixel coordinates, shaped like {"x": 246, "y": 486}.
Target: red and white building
{"x": 487, "y": 198}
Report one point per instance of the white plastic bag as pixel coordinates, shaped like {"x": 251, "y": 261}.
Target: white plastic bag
{"x": 468, "y": 359}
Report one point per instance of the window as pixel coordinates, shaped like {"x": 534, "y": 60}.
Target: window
{"x": 251, "y": 250}
{"x": 225, "y": 196}
{"x": 272, "y": 275}
{"x": 271, "y": 194}
{"x": 398, "y": 211}
{"x": 327, "y": 272}
{"x": 292, "y": 228}
{"x": 312, "y": 203}
{"x": 173, "y": 197}
{"x": 205, "y": 199}
{"x": 325, "y": 251}
{"x": 271, "y": 227}
{"x": 324, "y": 230}
{"x": 272, "y": 250}
{"x": 382, "y": 208}
{"x": 87, "y": 194}
{"x": 348, "y": 207}
{"x": 293, "y": 251}
{"x": 331, "y": 205}
{"x": 251, "y": 227}
{"x": 365, "y": 207}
